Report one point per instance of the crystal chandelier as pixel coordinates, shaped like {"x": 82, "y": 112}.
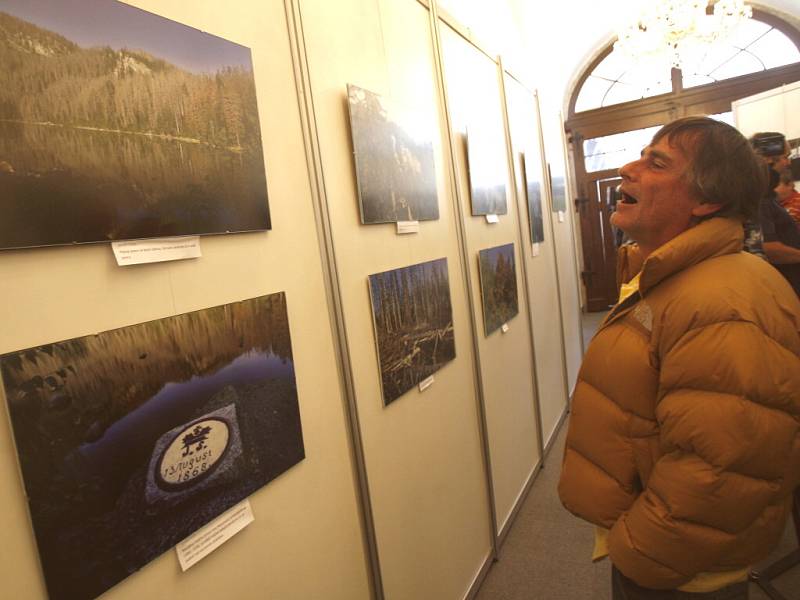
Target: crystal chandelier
{"x": 678, "y": 33}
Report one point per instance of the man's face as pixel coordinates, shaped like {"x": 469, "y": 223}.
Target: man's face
{"x": 657, "y": 202}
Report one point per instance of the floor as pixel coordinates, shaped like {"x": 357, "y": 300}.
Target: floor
{"x": 546, "y": 555}
{"x": 589, "y": 324}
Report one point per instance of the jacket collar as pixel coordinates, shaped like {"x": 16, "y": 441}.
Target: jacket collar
{"x": 713, "y": 237}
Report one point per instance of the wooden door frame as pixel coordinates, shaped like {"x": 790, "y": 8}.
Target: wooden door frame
{"x": 600, "y": 292}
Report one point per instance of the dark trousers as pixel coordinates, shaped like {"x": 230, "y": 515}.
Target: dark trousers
{"x": 623, "y": 588}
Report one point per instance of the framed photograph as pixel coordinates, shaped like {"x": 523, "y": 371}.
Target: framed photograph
{"x": 413, "y": 321}
{"x": 558, "y": 186}
{"x": 533, "y": 189}
{"x": 498, "y": 286}
{"x": 132, "y": 439}
{"x": 394, "y": 162}
{"x": 119, "y": 124}
{"x": 486, "y": 160}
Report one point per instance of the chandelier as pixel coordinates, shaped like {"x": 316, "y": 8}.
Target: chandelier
{"x": 678, "y": 33}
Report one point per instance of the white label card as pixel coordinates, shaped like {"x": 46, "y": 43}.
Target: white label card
{"x": 504, "y": 327}
{"x": 561, "y": 216}
{"x": 492, "y": 219}
{"x": 211, "y": 536}
{"x": 407, "y": 227}
{"x": 535, "y": 249}
{"x": 425, "y": 383}
{"x": 137, "y": 252}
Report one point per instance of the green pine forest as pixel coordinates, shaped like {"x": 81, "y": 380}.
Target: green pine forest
{"x": 498, "y": 286}
{"x": 46, "y": 78}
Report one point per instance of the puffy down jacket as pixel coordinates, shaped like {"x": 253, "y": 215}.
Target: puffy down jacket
{"x": 684, "y": 434}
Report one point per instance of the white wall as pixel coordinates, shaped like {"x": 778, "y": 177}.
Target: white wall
{"x": 773, "y": 110}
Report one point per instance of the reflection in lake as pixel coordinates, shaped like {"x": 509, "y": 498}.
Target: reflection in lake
{"x": 130, "y": 440}
{"x": 60, "y": 185}
{"x": 71, "y": 393}
{"x": 87, "y": 414}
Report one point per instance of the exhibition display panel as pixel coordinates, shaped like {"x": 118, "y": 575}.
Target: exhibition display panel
{"x": 506, "y": 363}
{"x": 540, "y": 260}
{"x": 412, "y": 438}
{"x": 308, "y": 518}
{"x": 131, "y": 439}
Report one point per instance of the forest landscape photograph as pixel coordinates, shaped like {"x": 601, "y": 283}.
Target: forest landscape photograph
{"x": 498, "y": 286}
{"x": 533, "y": 189}
{"x": 413, "y": 321}
{"x": 558, "y": 186}
{"x": 394, "y": 162}
{"x": 487, "y": 170}
{"x": 132, "y": 439}
{"x": 116, "y": 123}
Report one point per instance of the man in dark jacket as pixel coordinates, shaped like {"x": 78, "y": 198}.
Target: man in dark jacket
{"x": 684, "y": 436}
{"x": 781, "y": 235}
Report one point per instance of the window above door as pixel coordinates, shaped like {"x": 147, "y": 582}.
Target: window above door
{"x": 758, "y": 45}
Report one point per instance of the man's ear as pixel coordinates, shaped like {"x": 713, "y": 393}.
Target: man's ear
{"x": 704, "y": 210}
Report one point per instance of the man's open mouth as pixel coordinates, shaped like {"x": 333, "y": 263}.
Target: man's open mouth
{"x": 628, "y": 199}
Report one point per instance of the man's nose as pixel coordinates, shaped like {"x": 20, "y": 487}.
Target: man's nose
{"x": 626, "y": 171}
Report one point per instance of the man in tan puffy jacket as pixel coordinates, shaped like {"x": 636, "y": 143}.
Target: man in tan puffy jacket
{"x": 684, "y": 436}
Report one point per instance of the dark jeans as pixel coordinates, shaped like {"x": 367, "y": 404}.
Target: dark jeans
{"x": 623, "y": 588}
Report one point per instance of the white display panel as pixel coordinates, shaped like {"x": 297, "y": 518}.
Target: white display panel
{"x": 473, "y": 90}
{"x": 542, "y": 275}
{"x": 773, "y": 110}
{"x": 566, "y": 251}
{"x": 422, "y": 452}
{"x": 307, "y": 520}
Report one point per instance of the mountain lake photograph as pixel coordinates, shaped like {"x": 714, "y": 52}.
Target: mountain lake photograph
{"x": 116, "y": 123}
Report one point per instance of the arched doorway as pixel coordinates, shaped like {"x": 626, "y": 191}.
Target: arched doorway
{"x": 611, "y": 118}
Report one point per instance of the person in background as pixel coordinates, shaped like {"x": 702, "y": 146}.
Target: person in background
{"x": 788, "y": 197}
{"x": 683, "y": 446}
{"x": 781, "y": 235}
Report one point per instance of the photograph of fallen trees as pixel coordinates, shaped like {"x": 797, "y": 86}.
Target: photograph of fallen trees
{"x": 413, "y": 324}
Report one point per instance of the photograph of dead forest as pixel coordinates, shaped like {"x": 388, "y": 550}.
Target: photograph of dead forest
{"x": 394, "y": 167}
{"x": 94, "y": 416}
{"x": 533, "y": 188}
{"x": 413, "y": 324}
{"x": 118, "y": 124}
{"x": 486, "y": 160}
{"x": 498, "y": 286}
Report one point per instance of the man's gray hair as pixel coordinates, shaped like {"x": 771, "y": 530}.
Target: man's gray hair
{"x": 723, "y": 168}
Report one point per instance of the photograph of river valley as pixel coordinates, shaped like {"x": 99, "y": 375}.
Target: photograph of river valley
{"x": 413, "y": 324}
{"x": 207, "y": 400}
{"x": 116, "y": 123}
